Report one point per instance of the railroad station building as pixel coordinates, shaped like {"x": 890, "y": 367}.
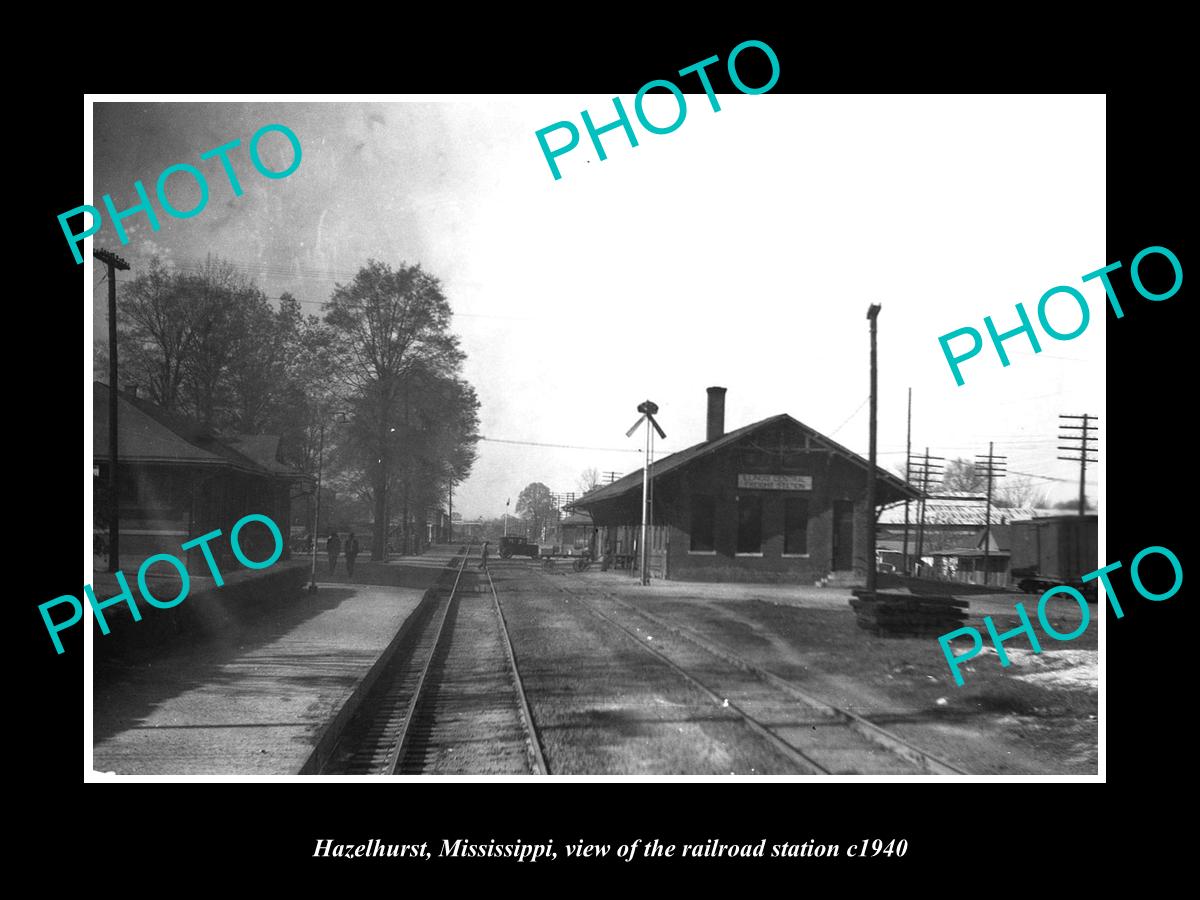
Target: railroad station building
{"x": 771, "y": 501}
{"x": 180, "y": 480}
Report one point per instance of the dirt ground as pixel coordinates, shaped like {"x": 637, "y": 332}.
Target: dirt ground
{"x": 605, "y": 707}
{"x": 1036, "y": 716}
{"x": 608, "y": 707}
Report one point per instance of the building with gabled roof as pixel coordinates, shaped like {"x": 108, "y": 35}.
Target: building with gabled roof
{"x": 775, "y": 500}
{"x": 180, "y": 480}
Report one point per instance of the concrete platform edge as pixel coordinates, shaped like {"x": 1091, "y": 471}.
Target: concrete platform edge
{"x": 323, "y": 748}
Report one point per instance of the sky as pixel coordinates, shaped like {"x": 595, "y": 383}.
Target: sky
{"x": 741, "y": 250}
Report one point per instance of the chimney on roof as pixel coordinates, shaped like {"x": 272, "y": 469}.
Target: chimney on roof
{"x": 716, "y": 413}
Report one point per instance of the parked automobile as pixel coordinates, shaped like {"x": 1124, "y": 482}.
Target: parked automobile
{"x": 517, "y": 545}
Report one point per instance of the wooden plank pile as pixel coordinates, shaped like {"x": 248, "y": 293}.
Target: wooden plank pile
{"x": 895, "y": 614}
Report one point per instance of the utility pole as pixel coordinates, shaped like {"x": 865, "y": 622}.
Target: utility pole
{"x": 611, "y": 476}
{"x": 113, "y": 262}
{"x": 312, "y": 581}
{"x": 450, "y": 525}
{"x": 647, "y": 409}
{"x": 1083, "y": 450}
{"x": 872, "y": 315}
{"x": 339, "y": 417}
{"x": 929, "y": 470}
{"x": 993, "y": 467}
{"x": 907, "y": 480}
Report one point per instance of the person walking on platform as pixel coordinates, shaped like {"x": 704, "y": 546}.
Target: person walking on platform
{"x": 351, "y": 551}
{"x": 483, "y": 555}
{"x": 333, "y": 547}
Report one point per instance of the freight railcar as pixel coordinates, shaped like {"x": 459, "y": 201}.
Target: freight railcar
{"x": 1053, "y": 551}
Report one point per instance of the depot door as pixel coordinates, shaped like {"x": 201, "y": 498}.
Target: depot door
{"x": 843, "y": 535}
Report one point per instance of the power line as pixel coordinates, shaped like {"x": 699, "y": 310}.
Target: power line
{"x": 851, "y": 416}
{"x": 1084, "y": 447}
{"x": 1043, "y": 477}
{"x": 456, "y": 314}
{"x": 560, "y": 446}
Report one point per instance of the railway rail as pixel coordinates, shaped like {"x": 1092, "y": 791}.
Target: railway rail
{"x": 817, "y": 736}
{"x": 451, "y": 700}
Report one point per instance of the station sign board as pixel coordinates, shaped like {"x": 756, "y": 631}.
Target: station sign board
{"x": 758, "y": 482}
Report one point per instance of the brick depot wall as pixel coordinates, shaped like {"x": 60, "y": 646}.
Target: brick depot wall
{"x": 832, "y": 480}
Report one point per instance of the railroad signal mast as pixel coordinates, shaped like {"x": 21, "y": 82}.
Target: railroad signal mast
{"x": 925, "y": 471}
{"x": 1083, "y": 448}
{"x": 647, "y": 409}
{"x": 992, "y": 467}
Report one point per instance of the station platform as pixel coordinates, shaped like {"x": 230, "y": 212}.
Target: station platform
{"x": 268, "y": 697}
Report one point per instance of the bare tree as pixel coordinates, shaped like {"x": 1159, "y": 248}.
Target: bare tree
{"x": 589, "y": 480}
{"x": 1020, "y": 491}
{"x": 961, "y": 477}
{"x": 155, "y": 317}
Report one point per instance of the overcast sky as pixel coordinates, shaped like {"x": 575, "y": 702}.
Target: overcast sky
{"x": 741, "y": 250}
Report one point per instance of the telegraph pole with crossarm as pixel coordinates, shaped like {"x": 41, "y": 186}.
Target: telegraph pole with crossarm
{"x": 1083, "y": 449}
{"x": 113, "y": 262}
{"x": 993, "y": 467}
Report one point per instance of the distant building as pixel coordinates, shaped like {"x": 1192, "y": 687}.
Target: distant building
{"x": 578, "y": 533}
{"x": 771, "y": 501}
{"x": 180, "y": 480}
{"x": 954, "y": 520}
{"x": 1057, "y": 548}
{"x": 437, "y": 526}
{"x": 985, "y": 562}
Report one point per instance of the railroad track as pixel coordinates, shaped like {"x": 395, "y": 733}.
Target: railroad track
{"x": 451, "y": 700}
{"x": 820, "y": 738}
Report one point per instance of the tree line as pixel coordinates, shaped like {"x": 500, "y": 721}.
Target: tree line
{"x": 374, "y": 384}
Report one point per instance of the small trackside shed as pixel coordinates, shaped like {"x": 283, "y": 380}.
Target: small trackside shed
{"x": 772, "y": 501}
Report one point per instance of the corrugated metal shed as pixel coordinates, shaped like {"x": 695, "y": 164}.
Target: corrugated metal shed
{"x": 962, "y": 511}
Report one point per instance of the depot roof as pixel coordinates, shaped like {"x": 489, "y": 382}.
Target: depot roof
{"x": 147, "y": 433}
{"x": 668, "y": 464}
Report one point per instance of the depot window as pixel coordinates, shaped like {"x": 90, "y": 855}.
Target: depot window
{"x": 704, "y": 518}
{"x": 795, "y": 526}
{"x": 749, "y": 536}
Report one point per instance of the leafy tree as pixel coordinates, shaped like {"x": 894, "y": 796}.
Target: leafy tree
{"x": 260, "y": 378}
{"x": 379, "y": 376}
{"x": 209, "y": 344}
{"x": 233, "y": 345}
{"x": 387, "y": 325}
{"x": 535, "y": 505}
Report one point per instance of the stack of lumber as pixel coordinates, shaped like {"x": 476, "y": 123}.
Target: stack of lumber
{"x": 903, "y": 614}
